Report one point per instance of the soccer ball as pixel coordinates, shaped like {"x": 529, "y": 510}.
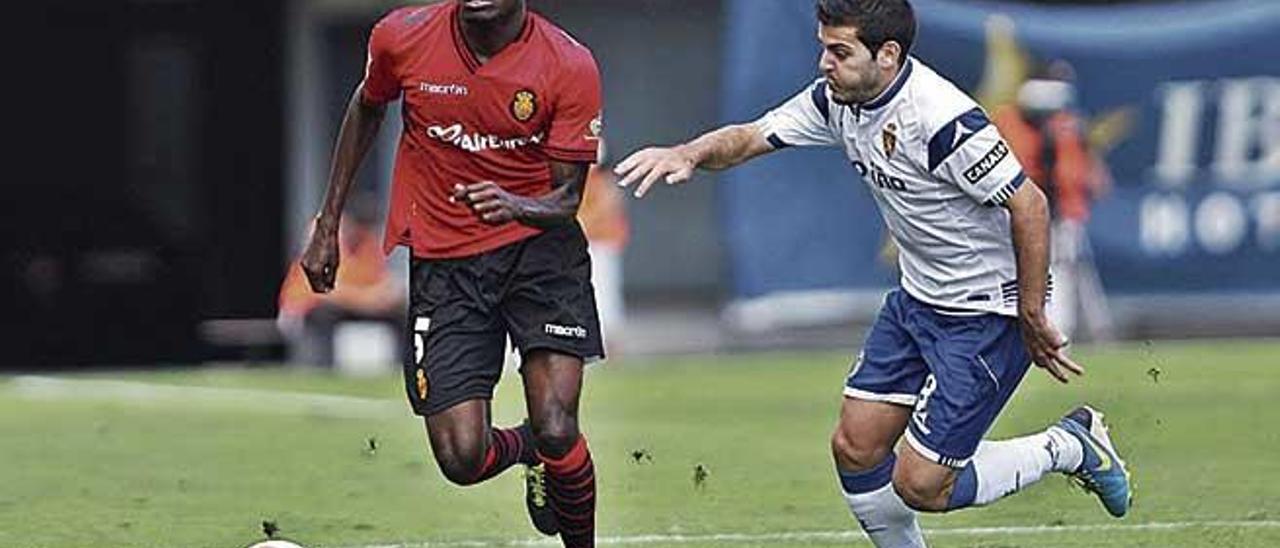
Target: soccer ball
{"x": 276, "y": 544}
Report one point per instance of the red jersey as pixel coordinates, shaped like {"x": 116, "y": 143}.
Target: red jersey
{"x": 536, "y": 101}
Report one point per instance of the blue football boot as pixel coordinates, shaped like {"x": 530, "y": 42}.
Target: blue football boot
{"x": 1101, "y": 471}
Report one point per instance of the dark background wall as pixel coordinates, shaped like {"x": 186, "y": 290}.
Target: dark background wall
{"x": 149, "y": 192}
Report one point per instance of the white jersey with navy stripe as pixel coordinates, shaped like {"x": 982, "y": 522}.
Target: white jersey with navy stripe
{"x": 938, "y": 170}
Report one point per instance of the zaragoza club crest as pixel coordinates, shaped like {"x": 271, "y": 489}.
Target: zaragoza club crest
{"x": 889, "y": 137}
{"x": 525, "y": 105}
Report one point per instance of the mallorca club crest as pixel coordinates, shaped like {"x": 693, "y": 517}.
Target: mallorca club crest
{"x": 525, "y": 105}
{"x": 422, "y": 384}
{"x": 889, "y": 138}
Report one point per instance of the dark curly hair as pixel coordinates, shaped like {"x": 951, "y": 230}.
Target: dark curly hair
{"x": 877, "y": 21}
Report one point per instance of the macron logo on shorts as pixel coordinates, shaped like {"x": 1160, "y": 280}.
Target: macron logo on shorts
{"x": 577, "y": 332}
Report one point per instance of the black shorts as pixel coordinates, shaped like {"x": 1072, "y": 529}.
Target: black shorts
{"x": 537, "y": 290}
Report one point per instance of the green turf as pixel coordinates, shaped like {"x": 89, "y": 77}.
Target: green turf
{"x": 98, "y": 471}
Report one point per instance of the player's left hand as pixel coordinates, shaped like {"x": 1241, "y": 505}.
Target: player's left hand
{"x": 489, "y": 202}
{"x": 1048, "y": 347}
{"x": 650, "y": 165}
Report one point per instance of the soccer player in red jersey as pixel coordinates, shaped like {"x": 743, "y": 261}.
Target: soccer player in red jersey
{"x": 501, "y": 117}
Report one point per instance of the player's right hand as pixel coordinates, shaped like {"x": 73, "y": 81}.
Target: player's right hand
{"x": 1048, "y": 347}
{"x": 652, "y": 164}
{"x": 320, "y": 261}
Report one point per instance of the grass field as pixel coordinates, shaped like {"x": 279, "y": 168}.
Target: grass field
{"x": 90, "y": 463}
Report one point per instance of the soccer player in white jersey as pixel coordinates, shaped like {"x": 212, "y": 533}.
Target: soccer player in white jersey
{"x": 950, "y": 346}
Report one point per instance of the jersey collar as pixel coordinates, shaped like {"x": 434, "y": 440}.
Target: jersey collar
{"x": 892, "y": 91}
{"x": 469, "y": 58}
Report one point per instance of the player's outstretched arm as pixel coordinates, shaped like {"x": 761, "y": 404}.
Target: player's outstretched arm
{"x": 720, "y": 149}
{"x": 359, "y": 127}
{"x": 1029, "y": 215}
{"x": 495, "y": 206}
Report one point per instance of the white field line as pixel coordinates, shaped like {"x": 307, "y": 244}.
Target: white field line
{"x": 241, "y": 399}
{"x": 832, "y": 537}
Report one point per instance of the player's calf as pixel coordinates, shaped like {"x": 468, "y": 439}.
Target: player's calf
{"x": 924, "y": 486}
{"x": 571, "y": 486}
{"x": 468, "y": 462}
{"x": 507, "y": 447}
{"x": 468, "y": 450}
{"x": 570, "y": 482}
{"x": 567, "y": 476}
{"x": 552, "y": 385}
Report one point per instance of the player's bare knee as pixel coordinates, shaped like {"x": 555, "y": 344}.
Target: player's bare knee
{"x": 853, "y": 454}
{"x": 457, "y": 474}
{"x": 461, "y": 466}
{"x": 555, "y": 435}
{"x": 920, "y": 492}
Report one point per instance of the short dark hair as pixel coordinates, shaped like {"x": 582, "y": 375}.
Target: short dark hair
{"x": 877, "y": 21}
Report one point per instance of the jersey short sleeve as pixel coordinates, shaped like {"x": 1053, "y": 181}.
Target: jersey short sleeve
{"x": 576, "y": 122}
{"x": 801, "y": 121}
{"x": 969, "y": 152}
{"x": 380, "y": 84}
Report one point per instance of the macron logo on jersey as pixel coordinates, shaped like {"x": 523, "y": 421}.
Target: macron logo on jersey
{"x": 476, "y": 143}
{"x": 454, "y": 90}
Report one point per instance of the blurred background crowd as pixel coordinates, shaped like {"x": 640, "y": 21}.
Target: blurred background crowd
{"x": 176, "y": 151}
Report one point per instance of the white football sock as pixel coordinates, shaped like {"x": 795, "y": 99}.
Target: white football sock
{"x": 1001, "y": 468}
{"x": 886, "y": 519}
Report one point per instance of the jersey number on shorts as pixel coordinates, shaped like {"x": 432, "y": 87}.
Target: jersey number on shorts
{"x": 921, "y": 414}
{"x": 420, "y": 328}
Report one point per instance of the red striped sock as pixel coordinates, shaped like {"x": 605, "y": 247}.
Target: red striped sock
{"x": 507, "y": 447}
{"x": 571, "y": 484}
